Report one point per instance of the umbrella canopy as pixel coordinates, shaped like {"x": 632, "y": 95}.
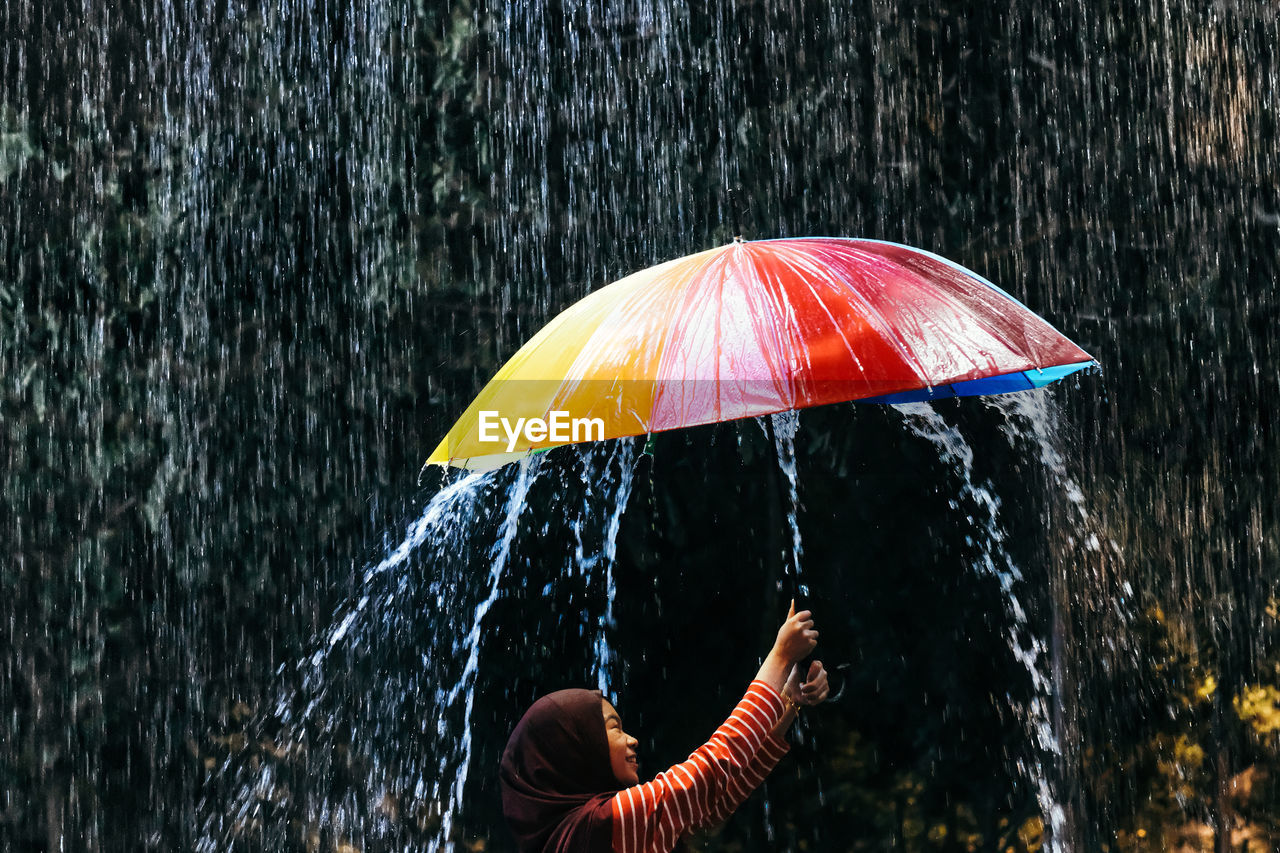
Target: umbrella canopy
{"x": 754, "y": 328}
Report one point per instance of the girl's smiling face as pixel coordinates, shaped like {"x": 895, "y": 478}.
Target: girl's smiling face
{"x": 622, "y": 747}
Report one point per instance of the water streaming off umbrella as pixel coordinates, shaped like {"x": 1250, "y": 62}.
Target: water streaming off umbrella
{"x": 378, "y": 722}
{"x": 387, "y": 774}
{"x": 982, "y": 509}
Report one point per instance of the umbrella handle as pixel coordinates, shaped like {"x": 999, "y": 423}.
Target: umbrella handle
{"x": 834, "y": 695}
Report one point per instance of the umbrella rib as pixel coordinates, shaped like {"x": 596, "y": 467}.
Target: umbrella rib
{"x": 942, "y": 295}
{"x": 902, "y": 344}
{"x": 719, "y": 338}
{"x": 886, "y": 329}
{"x": 788, "y": 258}
{"x": 774, "y": 291}
{"x": 666, "y": 350}
{"x": 960, "y": 307}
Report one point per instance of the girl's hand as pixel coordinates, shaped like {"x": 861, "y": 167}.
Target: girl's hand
{"x": 797, "y": 637}
{"x": 814, "y": 688}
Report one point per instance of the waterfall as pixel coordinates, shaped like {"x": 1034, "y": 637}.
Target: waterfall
{"x": 259, "y": 256}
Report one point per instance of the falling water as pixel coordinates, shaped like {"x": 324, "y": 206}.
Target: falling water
{"x": 605, "y": 556}
{"x": 470, "y": 645}
{"x": 447, "y": 512}
{"x": 982, "y": 507}
{"x": 382, "y": 620}
{"x": 784, "y": 426}
{"x": 258, "y": 256}
{"x": 389, "y": 593}
{"x": 1091, "y": 592}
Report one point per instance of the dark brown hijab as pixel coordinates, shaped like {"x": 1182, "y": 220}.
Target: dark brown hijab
{"x": 556, "y": 777}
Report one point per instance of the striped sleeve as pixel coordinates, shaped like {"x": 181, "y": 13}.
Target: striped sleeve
{"x": 707, "y": 787}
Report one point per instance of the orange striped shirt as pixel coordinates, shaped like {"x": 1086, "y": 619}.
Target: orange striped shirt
{"x": 706, "y": 788}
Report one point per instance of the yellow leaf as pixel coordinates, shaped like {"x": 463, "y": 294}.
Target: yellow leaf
{"x": 1259, "y": 706}
{"x": 1031, "y": 833}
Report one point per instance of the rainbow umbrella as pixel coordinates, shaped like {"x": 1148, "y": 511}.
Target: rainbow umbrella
{"x": 753, "y": 328}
